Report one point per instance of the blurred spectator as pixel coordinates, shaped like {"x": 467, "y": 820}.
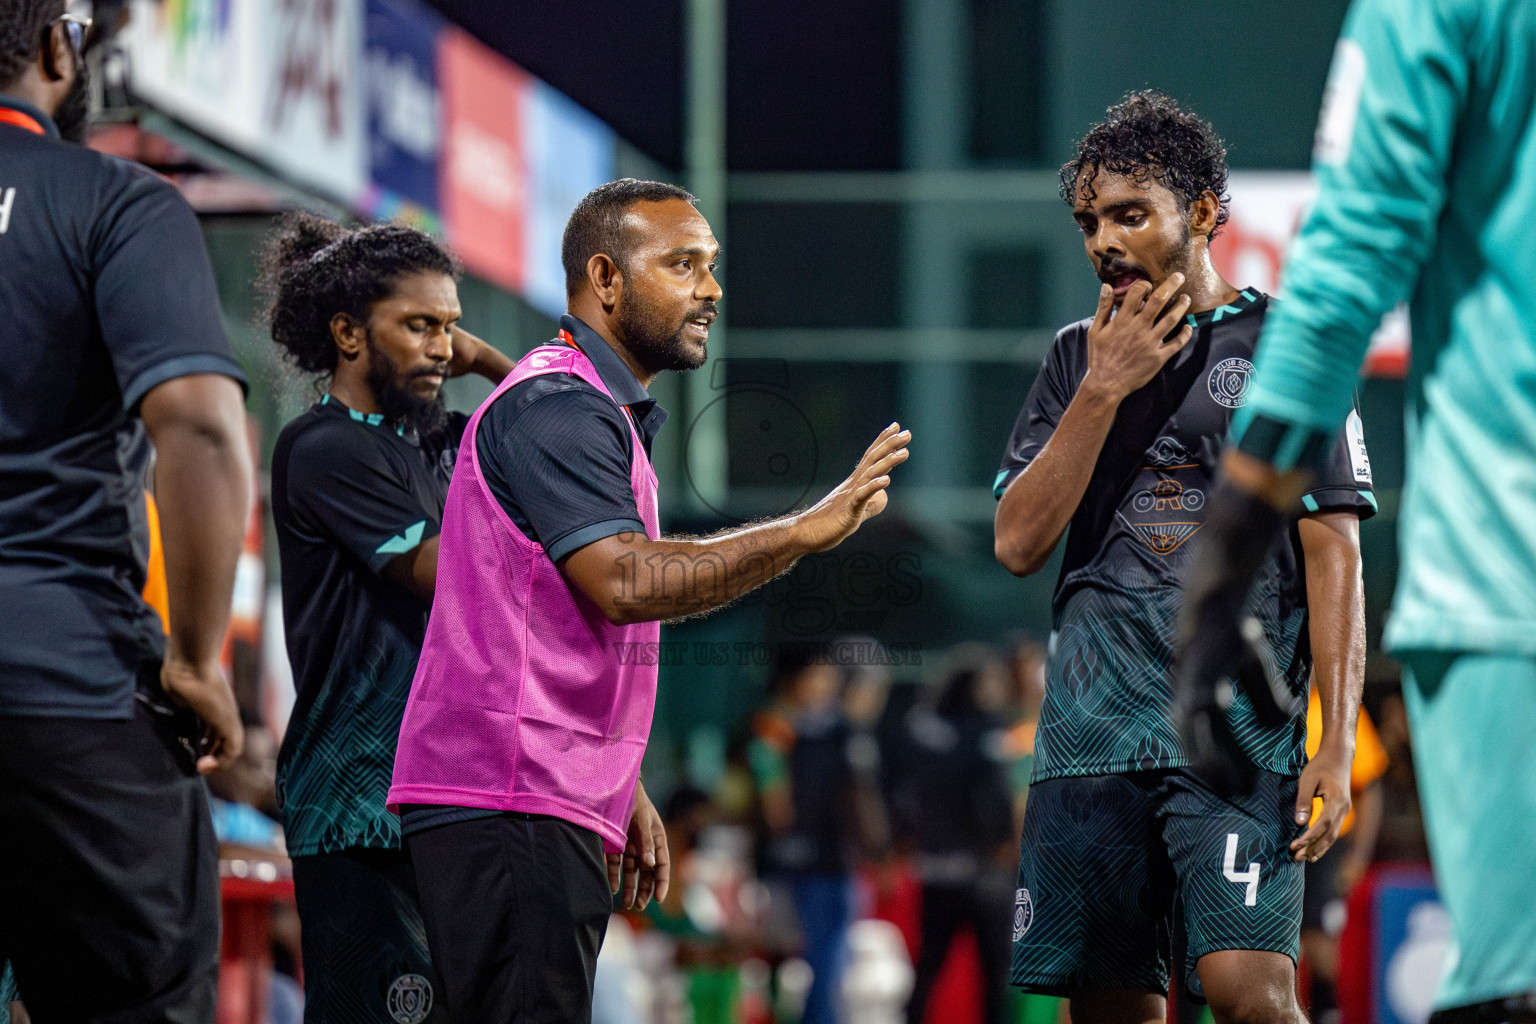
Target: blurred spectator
{"x": 953, "y": 800}
{"x": 1401, "y": 839}
{"x": 818, "y": 811}
{"x": 1026, "y": 670}
{"x": 1330, "y": 878}
{"x": 696, "y": 915}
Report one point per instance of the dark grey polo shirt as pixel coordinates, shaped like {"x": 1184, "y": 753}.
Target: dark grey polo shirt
{"x": 105, "y": 292}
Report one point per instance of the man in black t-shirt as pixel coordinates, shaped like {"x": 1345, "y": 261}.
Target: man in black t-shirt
{"x": 115, "y": 347}
{"x": 358, "y": 484}
{"x": 1129, "y": 861}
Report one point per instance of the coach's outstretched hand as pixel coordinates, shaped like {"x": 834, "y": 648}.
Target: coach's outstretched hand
{"x": 645, "y": 866}
{"x": 831, "y": 520}
{"x": 1221, "y": 648}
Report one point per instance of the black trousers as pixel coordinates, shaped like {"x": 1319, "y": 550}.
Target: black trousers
{"x": 986, "y": 904}
{"x": 109, "y": 874}
{"x": 516, "y": 907}
{"x": 365, "y": 948}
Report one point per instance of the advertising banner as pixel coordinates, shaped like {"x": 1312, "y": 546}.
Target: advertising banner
{"x": 569, "y": 152}
{"x": 383, "y": 106}
{"x": 483, "y": 179}
{"x": 312, "y": 101}
{"x": 404, "y": 118}
{"x": 1267, "y": 211}
{"x": 279, "y": 80}
{"x": 193, "y": 59}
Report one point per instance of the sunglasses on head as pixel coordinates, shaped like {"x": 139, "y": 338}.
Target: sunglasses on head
{"x": 77, "y": 26}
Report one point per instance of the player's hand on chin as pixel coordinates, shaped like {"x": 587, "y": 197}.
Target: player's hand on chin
{"x": 1127, "y": 348}
{"x": 1325, "y": 777}
{"x": 645, "y": 866}
{"x": 831, "y": 520}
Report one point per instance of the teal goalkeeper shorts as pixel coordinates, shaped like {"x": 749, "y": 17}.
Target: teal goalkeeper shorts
{"x": 1121, "y": 876}
{"x": 1474, "y": 753}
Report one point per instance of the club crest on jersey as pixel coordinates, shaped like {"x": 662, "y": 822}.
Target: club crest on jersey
{"x": 410, "y": 999}
{"x": 1023, "y": 913}
{"x": 1228, "y": 382}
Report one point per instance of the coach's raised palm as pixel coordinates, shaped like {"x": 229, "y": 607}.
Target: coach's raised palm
{"x": 832, "y": 519}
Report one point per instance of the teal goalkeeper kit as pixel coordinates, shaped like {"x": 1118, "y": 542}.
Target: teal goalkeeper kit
{"x": 1426, "y": 164}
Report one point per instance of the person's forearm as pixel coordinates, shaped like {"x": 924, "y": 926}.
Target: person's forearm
{"x": 672, "y": 578}
{"x": 492, "y": 364}
{"x": 1036, "y": 508}
{"x": 202, "y": 490}
{"x": 1336, "y": 605}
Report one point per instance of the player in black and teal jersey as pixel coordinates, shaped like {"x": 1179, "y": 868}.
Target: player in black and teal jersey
{"x": 1131, "y": 868}
{"x": 358, "y": 485}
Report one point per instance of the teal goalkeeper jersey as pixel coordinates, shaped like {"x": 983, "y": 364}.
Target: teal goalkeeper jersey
{"x": 1426, "y": 166}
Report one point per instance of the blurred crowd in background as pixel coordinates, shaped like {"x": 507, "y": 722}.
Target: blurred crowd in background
{"x": 856, "y": 859}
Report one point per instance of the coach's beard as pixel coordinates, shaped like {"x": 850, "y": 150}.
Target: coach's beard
{"x": 658, "y": 343}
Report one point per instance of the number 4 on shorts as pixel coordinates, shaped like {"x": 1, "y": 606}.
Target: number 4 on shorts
{"x": 1249, "y": 878}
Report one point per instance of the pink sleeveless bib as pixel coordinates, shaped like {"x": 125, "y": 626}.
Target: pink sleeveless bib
{"x": 521, "y": 700}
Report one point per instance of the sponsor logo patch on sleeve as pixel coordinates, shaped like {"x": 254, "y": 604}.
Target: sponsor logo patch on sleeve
{"x": 1359, "y": 458}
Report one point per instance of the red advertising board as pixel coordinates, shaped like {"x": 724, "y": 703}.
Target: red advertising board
{"x": 1268, "y": 208}
{"x": 483, "y": 175}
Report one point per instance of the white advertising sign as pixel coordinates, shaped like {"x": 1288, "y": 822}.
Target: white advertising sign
{"x": 281, "y": 80}
{"x": 1268, "y": 208}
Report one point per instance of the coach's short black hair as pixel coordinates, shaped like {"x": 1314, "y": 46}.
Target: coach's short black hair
{"x": 597, "y": 224}
{"x": 314, "y": 268}
{"x": 1148, "y": 136}
{"x": 22, "y": 23}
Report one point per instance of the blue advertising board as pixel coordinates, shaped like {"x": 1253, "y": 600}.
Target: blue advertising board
{"x": 1412, "y": 939}
{"x": 405, "y": 122}
{"x": 568, "y": 152}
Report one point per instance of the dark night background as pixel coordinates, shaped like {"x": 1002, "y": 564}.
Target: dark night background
{"x": 811, "y": 85}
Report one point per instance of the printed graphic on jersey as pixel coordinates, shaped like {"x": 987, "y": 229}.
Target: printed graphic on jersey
{"x": 1228, "y": 382}
{"x": 1166, "y": 452}
{"x": 1108, "y": 700}
{"x": 1023, "y": 913}
{"x": 1166, "y": 498}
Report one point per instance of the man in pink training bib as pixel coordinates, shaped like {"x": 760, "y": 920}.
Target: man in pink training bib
{"x": 519, "y": 755}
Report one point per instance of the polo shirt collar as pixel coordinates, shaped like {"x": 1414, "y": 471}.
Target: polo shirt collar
{"x": 28, "y": 110}
{"x": 618, "y": 378}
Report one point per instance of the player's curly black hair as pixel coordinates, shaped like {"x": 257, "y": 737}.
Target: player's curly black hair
{"x": 312, "y": 269}
{"x": 1148, "y": 136}
{"x": 21, "y": 34}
